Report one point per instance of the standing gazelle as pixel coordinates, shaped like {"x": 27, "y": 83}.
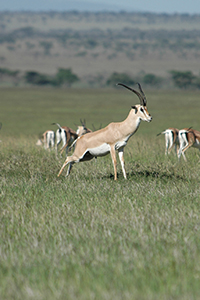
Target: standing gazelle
{"x": 66, "y": 135}
{"x": 47, "y": 139}
{"x": 188, "y": 138}
{"x": 171, "y": 139}
{"x": 111, "y": 138}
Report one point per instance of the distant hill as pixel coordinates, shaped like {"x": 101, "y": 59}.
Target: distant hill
{"x": 94, "y": 45}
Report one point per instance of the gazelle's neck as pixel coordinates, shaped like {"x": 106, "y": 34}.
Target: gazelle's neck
{"x": 131, "y": 123}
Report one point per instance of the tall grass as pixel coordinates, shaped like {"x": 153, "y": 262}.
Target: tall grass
{"x": 88, "y": 237}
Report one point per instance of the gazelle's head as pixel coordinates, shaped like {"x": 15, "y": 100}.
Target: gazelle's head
{"x": 140, "y": 109}
{"x": 81, "y": 129}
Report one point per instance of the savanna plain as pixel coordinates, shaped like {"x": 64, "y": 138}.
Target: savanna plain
{"x": 87, "y": 236}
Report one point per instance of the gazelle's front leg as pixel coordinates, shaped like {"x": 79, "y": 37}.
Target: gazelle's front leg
{"x": 114, "y": 160}
{"x": 121, "y": 158}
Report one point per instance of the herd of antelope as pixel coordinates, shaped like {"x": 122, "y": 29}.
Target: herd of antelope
{"x": 181, "y": 140}
{"x": 114, "y": 137}
{"x": 65, "y": 135}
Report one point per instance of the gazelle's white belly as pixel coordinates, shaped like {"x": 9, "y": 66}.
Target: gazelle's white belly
{"x": 104, "y": 149}
{"x": 101, "y": 150}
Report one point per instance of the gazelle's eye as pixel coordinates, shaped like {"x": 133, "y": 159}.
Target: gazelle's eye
{"x": 141, "y": 109}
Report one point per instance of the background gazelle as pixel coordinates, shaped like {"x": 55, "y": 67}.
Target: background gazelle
{"x": 81, "y": 130}
{"x": 47, "y": 139}
{"x": 171, "y": 139}
{"x": 66, "y": 135}
{"x": 188, "y": 138}
{"x": 111, "y": 138}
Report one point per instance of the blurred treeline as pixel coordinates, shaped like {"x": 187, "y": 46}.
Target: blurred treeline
{"x": 99, "y": 49}
{"x": 65, "y": 77}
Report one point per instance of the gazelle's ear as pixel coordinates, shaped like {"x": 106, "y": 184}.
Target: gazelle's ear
{"x": 134, "y": 107}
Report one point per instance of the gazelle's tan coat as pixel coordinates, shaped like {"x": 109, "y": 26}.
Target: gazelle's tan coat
{"x": 111, "y": 138}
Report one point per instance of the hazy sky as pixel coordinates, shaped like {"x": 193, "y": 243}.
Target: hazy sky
{"x": 158, "y": 6}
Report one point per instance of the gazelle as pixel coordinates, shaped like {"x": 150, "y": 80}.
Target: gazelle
{"x": 188, "y": 138}
{"x": 111, "y": 138}
{"x": 171, "y": 139}
{"x": 48, "y": 139}
{"x": 82, "y": 129}
{"x": 65, "y": 135}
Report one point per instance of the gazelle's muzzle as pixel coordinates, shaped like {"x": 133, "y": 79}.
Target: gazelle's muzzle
{"x": 147, "y": 115}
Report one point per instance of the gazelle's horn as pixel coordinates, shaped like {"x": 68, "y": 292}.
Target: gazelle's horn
{"x": 141, "y": 97}
{"x": 141, "y": 91}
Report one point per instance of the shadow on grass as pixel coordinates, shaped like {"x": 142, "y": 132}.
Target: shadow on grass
{"x": 147, "y": 173}
{"x": 156, "y": 174}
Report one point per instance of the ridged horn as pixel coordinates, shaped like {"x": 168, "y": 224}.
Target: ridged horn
{"x": 141, "y": 96}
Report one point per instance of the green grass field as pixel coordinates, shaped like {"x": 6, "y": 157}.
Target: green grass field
{"x": 87, "y": 236}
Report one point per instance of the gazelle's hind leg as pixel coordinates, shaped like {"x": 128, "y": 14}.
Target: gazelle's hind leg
{"x": 168, "y": 143}
{"x": 171, "y": 142}
{"x": 184, "y": 145}
{"x": 176, "y": 149}
{"x": 184, "y": 149}
{"x": 185, "y": 159}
